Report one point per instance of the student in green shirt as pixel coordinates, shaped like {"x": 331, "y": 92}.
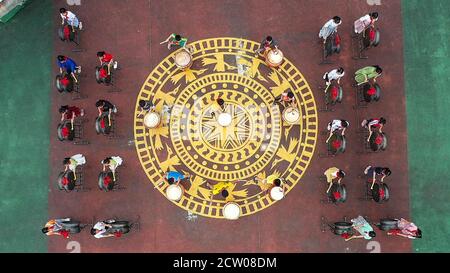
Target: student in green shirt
{"x": 363, "y": 75}
{"x": 175, "y": 40}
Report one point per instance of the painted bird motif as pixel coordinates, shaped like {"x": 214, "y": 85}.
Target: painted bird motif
{"x": 196, "y": 188}
{"x": 172, "y": 160}
{"x": 286, "y": 154}
{"x": 219, "y": 63}
{"x": 281, "y": 84}
{"x": 253, "y": 66}
{"x": 189, "y": 75}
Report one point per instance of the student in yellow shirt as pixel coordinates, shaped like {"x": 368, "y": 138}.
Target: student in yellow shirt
{"x": 332, "y": 173}
{"x": 221, "y": 188}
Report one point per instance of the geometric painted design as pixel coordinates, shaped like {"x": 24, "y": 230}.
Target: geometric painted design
{"x": 256, "y": 143}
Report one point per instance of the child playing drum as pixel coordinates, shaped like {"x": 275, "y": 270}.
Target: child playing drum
{"x": 267, "y": 43}
{"x": 286, "y": 98}
{"x": 329, "y": 28}
{"x": 175, "y": 40}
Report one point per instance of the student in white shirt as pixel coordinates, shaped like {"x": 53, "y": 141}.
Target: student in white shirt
{"x": 329, "y": 28}
{"x": 71, "y": 18}
{"x": 101, "y": 230}
{"x": 336, "y": 125}
{"x": 364, "y": 22}
{"x": 334, "y": 75}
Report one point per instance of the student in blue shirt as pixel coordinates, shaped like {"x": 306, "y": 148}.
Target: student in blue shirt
{"x": 172, "y": 177}
{"x": 68, "y": 65}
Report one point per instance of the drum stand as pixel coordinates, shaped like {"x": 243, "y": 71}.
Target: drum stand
{"x": 360, "y": 101}
{"x": 76, "y": 41}
{"x": 117, "y": 185}
{"x": 325, "y": 54}
{"x": 113, "y": 88}
{"x": 328, "y": 200}
{"x": 368, "y": 192}
{"x": 76, "y": 94}
{"x": 79, "y": 182}
{"x": 358, "y": 45}
{"x": 328, "y": 105}
{"x": 112, "y": 134}
{"x": 327, "y": 225}
{"x": 136, "y": 225}
{"x": 79, "y": 132}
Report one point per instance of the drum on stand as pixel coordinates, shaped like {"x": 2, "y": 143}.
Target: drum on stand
{"x": 276, "y": 193}
{"x": 338, "y": 193}
{"x": 65, "y": 131}
{"x": 291, "y": 115}
{"x": 103, "y": 125}
{"x": 64, "y": 83}
{"x": 106, "y": 181}
{"x": 378, "y": 141}
{"x": 274, "y": 57}
{"x": 66, "y": 181}
{"x": 183, "y": 59}
{"x": 380, "y": 193}
{"x": 231, "y": 211}
{"x": 152, "y": 120}
{"x": 174, "y": 192}
{"x": 101, "y": 74}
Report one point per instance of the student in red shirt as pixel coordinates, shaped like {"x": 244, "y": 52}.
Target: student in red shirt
{"x": 106, "y": 58}
{"x": 70, "y": 113}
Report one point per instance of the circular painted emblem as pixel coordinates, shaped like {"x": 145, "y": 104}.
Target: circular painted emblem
{"x": 224, "y": 147}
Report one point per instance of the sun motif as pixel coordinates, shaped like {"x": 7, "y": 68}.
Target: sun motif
{"x": 256, "y": 142}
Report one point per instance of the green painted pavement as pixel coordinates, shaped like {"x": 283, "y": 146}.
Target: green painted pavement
{"x": 427, "y": 74}
{"x": 25, "y": 78}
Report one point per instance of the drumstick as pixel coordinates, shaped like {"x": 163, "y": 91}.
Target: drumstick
{"x": 75, "y": 174}
{"x": 328, "y": 85}
{"x": 331, "y": 184}
{"x": 329, "y": 138}
{"x": 109, "y": 120}
{"x": 114, "y": 175}
{"x": 373, "y": 182}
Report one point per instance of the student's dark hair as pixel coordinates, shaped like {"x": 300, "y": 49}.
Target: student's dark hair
{"x": 178, "y": 37}
{"x": 63, "y": 108}
{"x": 337, "y": 19}
{"x": 341, "y": 174}
{"x": 374, "y": 15}
{"x": 378, "y": 69}
{"x": 225, "y": 193}
{"x": 45, "y": 230}
{"x": 62, "y": 10}
{"x": 100, "y": 53}
{"x": 106, "y": 160}
{"x": 419, "y": 233}
{"x": 372, "y": 234}
{"x": 61, "y": 58}
{"x": 171, "y": 180}
{"x": 382, "y": 120}
{"x": 220, "y": 101}
{"x": 269, "y": 38}
{"x": 340, "y": 70}
{"x": 344, "y": 123}
{"x": 66, "y": 160}
{"x": 290, "y": 94}
{"x": 141, "y": 103}
{"x": 387, "y": 171}
{"x": 99, "y": 103}
{"x": 93, "y": 231}
{"x": 277, "y": 182}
